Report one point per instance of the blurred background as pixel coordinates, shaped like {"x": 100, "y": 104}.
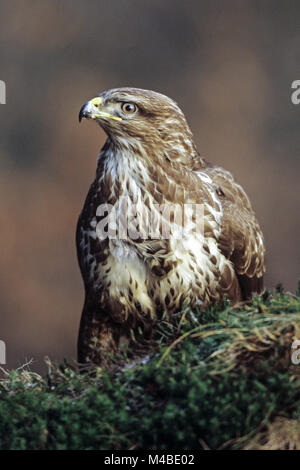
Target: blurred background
{"x": 229, "y": 65}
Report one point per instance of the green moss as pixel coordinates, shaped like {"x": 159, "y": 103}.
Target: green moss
{"x": 214, "y": 379}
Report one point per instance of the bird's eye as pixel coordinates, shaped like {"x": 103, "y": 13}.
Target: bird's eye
{"x": 129, "y": 108}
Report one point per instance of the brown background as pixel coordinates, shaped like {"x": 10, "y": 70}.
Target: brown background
{"x": 229, "y": 64}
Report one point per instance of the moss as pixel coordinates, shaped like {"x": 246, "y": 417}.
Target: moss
{"x": 214, "y": 379}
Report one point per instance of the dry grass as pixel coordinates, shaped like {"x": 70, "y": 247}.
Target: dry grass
{"x": 281, "y": 434}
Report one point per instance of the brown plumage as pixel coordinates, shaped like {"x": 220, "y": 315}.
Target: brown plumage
{"x": 150, "y": 160}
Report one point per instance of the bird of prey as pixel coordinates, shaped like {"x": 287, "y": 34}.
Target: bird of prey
{"x": 134, "y": 276}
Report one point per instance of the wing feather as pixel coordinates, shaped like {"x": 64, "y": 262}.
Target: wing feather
{"x": 241, "y": 239}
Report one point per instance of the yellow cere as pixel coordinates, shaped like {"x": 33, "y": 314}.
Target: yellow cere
{"x": 97, "y": 103}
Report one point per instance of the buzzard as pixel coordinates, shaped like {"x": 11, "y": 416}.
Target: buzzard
{"x": 131, "y": 277}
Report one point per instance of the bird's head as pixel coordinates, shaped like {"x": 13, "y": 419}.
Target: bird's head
{"x": 135, "y": 115}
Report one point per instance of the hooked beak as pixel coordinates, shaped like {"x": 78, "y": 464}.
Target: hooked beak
{"x": 92, "y": 110}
